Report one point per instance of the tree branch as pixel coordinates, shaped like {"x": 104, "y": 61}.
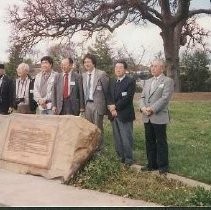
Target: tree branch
{"x": 199, "y": 11}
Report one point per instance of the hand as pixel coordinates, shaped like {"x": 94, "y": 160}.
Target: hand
{"x": 144, "y": 110}
{"x": 44, "y": 106}
{"x": 42, "y": 102}
{"x": 10, "y": 110}
{"x": 149, "y": 110}
{"x": 54, "y": 109}
{"x": 111, "y": 107}
{"x": 82, "y": 114}
{"x": 114, "y": 113}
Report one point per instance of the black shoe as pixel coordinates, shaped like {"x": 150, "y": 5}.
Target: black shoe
{"x": 147, "y": 168}
{"x": 128, "y": 163}
{"x": 163, "y": 172}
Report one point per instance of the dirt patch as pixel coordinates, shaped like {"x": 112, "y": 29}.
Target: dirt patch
{"x": 195, "y": 96}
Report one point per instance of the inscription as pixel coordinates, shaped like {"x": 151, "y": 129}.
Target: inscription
{"x": 33, "y": 141}
{"x": 30, "y": 143}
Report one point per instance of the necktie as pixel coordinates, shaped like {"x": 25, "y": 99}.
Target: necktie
{"x": 65, "y": 91}
{"x": 89, "y": 86}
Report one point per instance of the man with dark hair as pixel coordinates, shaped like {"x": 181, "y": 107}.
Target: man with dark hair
{"x": 47, "y": 58}
{"x": 90, "y": 57}
{"x": 68, "y": 95}
{"x": 6, "y": 92}
{"x": 122, "y": 115}
{"x": 95, "y": 85}
{"x": 43, "y": 86}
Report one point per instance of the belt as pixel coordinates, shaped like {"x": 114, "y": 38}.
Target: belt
{"x": 91, "y": 101}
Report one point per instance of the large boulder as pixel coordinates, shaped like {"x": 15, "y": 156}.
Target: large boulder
{"x": 46, "y": 145}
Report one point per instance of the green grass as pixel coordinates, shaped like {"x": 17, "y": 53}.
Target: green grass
{"x": 189, "y": 138}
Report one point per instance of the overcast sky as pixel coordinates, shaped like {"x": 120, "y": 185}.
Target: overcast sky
{"x": 132, "y": 37}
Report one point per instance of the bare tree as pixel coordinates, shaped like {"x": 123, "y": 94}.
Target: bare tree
{"x": 62, "y": 18}
{"x": 60, "y": 51}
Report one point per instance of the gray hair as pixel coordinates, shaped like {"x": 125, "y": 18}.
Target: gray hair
{"x": 161, "y": 61}
{"x": 24, "y": 66}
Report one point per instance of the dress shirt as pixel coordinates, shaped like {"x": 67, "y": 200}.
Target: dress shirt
{"x": 90, "y": 96}
{"x": 22, "y": 89}
{"x": 1, "y": 79}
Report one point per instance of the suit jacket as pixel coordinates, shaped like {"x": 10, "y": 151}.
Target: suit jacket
{"x": 121, "y": 94}
{"x": 6, "y": 95}
{"x": 158, "y": 100}
{"x": 76, "y": 92}
{"x": 50, "y": 85}
{"x": 100, "y": 90}
{"x": 32, "y": 103}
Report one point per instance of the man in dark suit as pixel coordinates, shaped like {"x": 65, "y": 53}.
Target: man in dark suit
{"x": 120, "y": 105}
{"x": 155, "y": 98}
{"x": 67, "y": 94}
{"x": 6, "y": 92}
{"x": 95, "y": 84}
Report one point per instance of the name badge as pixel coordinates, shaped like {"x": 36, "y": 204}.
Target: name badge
{"x": 99, "y": 87}
{"x": 49, "y": 105}
{"x": 124, "y": 93}
{"x": 72, "y": 83}
{"x": 161, "y": 86}
{"x": 31, "y": 91}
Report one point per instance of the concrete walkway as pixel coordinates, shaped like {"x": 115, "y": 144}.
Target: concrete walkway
{"x": 187, "y": 181}
{"x": 28, "y": 190}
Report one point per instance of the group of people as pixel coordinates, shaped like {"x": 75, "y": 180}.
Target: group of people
{"x": 93, "y": 94}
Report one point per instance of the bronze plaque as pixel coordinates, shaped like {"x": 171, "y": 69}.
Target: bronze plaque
{"x": 30, "y": 142}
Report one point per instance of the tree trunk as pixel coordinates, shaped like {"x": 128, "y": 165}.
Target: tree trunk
{"x": 171, "y": 42}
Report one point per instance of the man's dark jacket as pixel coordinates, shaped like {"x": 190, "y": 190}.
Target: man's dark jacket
{"x": 6, "y": 94}
{"x": 121, "y": 94}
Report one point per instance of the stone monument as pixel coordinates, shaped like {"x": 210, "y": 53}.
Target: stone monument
{"x": 51, "y": 146}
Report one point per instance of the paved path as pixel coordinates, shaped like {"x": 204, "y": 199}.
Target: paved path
{"x": 182, "y": 179}
{"x": 28, "y": 190}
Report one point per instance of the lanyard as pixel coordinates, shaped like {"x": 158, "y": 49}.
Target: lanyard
{"x": 19, "y": 91}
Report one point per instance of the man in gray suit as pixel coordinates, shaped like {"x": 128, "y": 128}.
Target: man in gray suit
{"x": 155, "y": 98}
{"x": 95, "y": 84}
{"x": 68, "y": 95}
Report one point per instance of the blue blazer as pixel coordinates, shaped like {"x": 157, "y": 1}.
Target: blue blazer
{"x": 121, "y": 94}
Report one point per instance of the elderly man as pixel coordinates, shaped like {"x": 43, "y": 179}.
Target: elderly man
{"x": 6, "y": 92}
{"x": 68, "y": 95}
{"x": 43, "y": 86}
{"x": 155, "y": 98}
{"x": 95, "y": 84}
{"x": 24, "y": 86}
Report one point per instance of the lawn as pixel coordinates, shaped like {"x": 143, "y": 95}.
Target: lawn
{"x": 189, "y": 137}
